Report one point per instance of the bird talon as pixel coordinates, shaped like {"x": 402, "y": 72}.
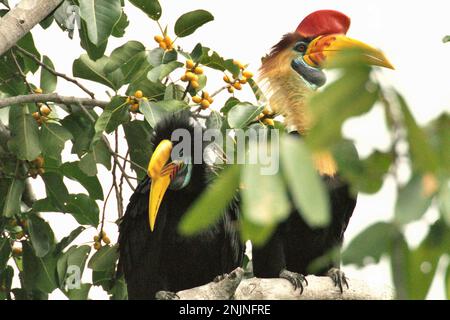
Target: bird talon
{"x": 339, "y": 278}
{"x": 220, "y": 277}
{"x": 296, "y": 279}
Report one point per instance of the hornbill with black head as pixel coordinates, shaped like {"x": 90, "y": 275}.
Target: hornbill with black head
{"x": 154, "y": 257}
{"x": 292, "y": 71}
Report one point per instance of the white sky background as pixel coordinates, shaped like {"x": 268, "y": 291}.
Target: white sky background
{"x": 410, "y": 33}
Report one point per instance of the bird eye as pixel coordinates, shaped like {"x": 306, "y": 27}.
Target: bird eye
{"x": 300, "y": 47}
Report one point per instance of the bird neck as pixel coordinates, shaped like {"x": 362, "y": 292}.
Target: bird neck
{"x": 287, "y": 92}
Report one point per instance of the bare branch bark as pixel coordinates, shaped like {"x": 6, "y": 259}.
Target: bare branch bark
{"x": 319, "y": 288}
{"x": 51, "y": 97}
{"x": 233, "y": 286}
{"x": 21, "y": 19}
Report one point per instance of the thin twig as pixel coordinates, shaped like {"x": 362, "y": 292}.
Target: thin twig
{"x": 121, "y": 183}
{"x": 130, "y": 161}
{"x": 116, "y": 187}
{"x": 218, "y": 91}
{"x": 51, "y": 97}
{"x": 110, "y": 150}
{"x": 22, "y": 74}
{"x": 54, "y": 72}
{"x": 104, "y": 212}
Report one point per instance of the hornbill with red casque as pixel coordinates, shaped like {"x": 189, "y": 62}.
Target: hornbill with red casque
{"x": 292, "y": 71}
{"x": 154, "y": 256}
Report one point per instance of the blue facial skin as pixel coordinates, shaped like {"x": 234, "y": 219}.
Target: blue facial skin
{"x": 315, "y": 77}
{"x": 181, "y": 180}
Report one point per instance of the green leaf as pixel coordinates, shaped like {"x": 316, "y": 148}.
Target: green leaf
{"x": 42, "y": 237}
{"x": 257, "y": 234}
{"x": 259, "y": 94}
{"x": 79, "y": 294}
{"x": 154, "y": 111}
{"x": 99, "y": 154}
{"x": 48, "y": 79}
{"x": 422, "y": 155}
{"x": 88, "y": 69}
{"x": 349, "y": 96}
{"x": 100, "y": 16}
{"x": 52, "y": 139}
{"x": 114, "y": 114}
{"x": 191, "y": 21}
{"x": 27, "y": 43}
{"x": 123, "y": 54}
{"x": 212, "y": 203}
{"x": 242, "y": 114}
{"x": 229, "y": 104}
{"x": 366, "y": 175}
{"x": 5, "y": 252}
{"x": 68, "y": 240}
{"x": 84, "y": 209}
{"x": 24, "y": 140}
{"x": 160, "y": 72}
{"x": 120, "y": 26}
{"x": 411, "y": 202}
{"x": 13, "y": 199}
{"x": 447, "y": 283}
{"x": 264, "y": 197}
{"x": 362, "y": 250}
{"x": 423, "y": 261}
{"x": 444, "y": 201}
{"x": 104, "y": 259}
{"x": 308, "y": 192}
{"x": 56, "y": 189}
{"x": 94, "y": 51}
{"x": 213, "y": 60}
{"x": 38, "y": 273}
{"x": 151, "y": 7}
{"x": 91, "y": 183}
{"x": 214, "y": 120}
{"x": 174, "y": 92}
{"x": 446, "y": 39}
{"x": 137, "y": 134}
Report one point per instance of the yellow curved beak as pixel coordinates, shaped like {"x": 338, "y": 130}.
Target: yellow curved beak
{"x": 322, "y": 50}
{"x": 160, "y": 179}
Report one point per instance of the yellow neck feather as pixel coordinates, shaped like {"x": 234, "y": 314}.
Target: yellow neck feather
{"x": 288, "y": 94}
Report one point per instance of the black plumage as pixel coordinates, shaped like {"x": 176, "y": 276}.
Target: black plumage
{"x": 164, "y": 260}
{"x": 295, "y": 245}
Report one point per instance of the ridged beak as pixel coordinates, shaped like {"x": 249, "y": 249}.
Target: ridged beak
{"x": 323, "y": 49}
{"x": 161, "y": 176}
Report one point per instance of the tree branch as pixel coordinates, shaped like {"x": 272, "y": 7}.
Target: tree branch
{"x": 233, "y": 286}
{"x": 21, "y": 19}
{"x": 51, "y": 97}
{"x": 54, "y": 72}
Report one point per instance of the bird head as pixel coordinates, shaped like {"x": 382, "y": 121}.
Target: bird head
{"x": 294, "y": 67}
{"x": 169, "y": 168}
{"x": 318, "y": 39}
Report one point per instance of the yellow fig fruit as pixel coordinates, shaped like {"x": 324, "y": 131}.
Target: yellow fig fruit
{"x": 247, "y": 74}
{"x": 97, "y": 246}
{"x": 158, "y": 38}
{"x": 197, "y": 99}
{"x": 106, "y": 240}
{"x": 36, "y": 115}
{"x": 243, "y": 80}
{"x": 38, "y": 91}
{"x": 237, "y": 85}
{"x": 226, "y": 79}
{"x": 269, "y": 122}
{"x": 198, "y": 70}
{"x": 230, "y": 89}
{"x": 134, "y": 107}
{"x": 139, "y": 94}
{"x": 205, "y": 104}
{"x": 195, "y": 84}
{"x": 189, "y": 64}
{"x": 45, "y": 110}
